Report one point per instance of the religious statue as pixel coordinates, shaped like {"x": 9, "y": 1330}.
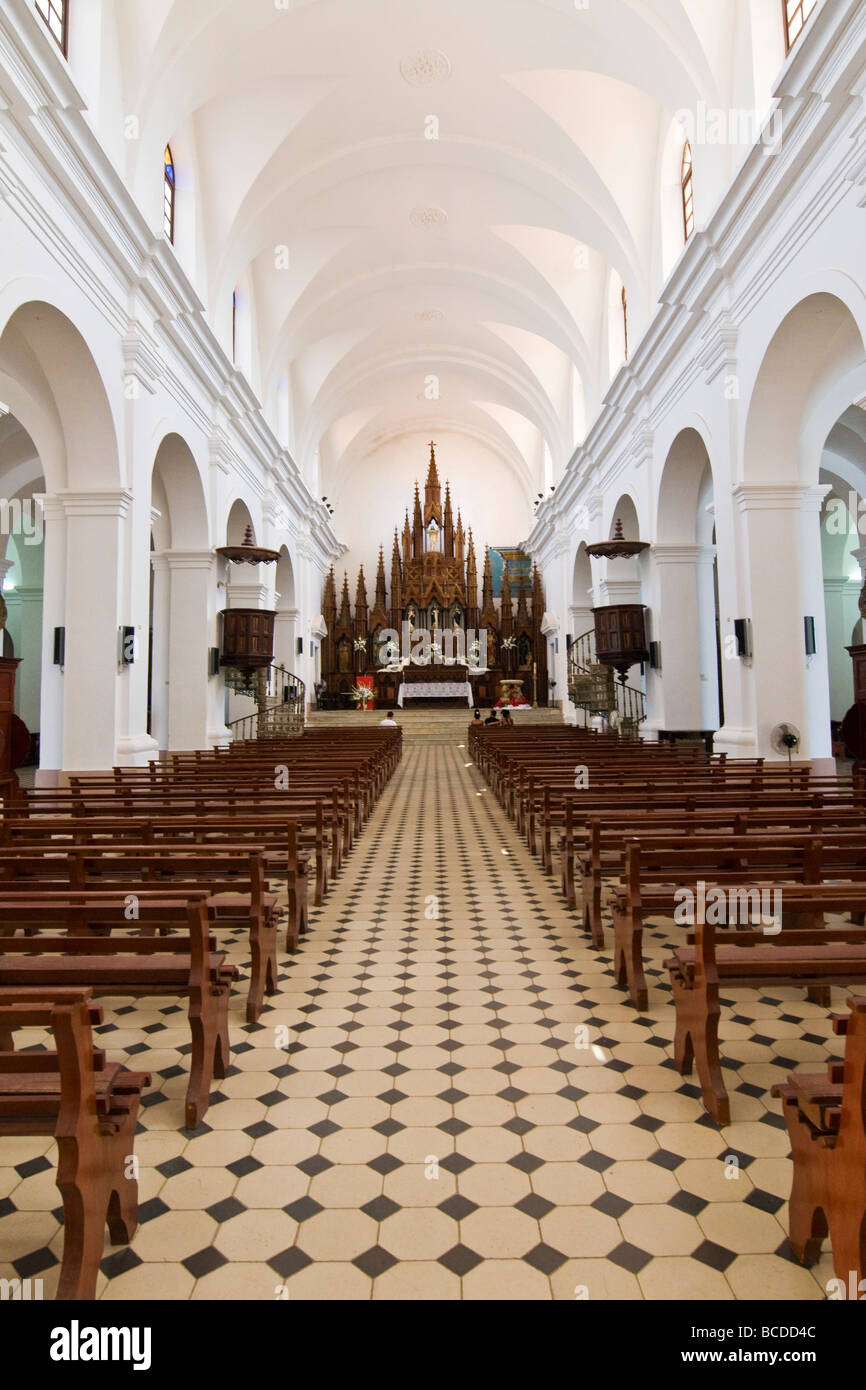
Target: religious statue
{"x": 410, "y": 618}
{"x": 434, "y": 616}
{"x": 433, "y": 537}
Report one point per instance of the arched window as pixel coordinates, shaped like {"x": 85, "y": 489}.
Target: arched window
{"x": 625, "y": 320}
{"x": 56, "y": 16}
{"x": 688, "y": 191}
{"x": 168, "y": 195}
{"x": 795, "y": 13}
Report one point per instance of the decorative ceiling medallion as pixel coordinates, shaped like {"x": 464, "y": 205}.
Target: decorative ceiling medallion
{"x": 429, "y": 315}
{"x": 420, "y": 69}
{"x": 428, "y": 217}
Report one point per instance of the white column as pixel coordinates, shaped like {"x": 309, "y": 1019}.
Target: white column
{"x": 246, "y": 587}
{"x": 192, "y": 581}
{"x": 676, "y": 625}
{"x": 780, "y": 528}
{"x": 160, "y": 670}
{"x": 286, "y": 630}
{"x": 707, "y": 639}
{"x": 94, "y": 554}
{"x": 53, "y": 616}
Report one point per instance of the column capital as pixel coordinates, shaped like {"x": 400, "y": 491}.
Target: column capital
{"x": 859, "y": 556}
{"x": 184, "y": 559}
{"x": 24, "y": 594}
{"x": 111, "y": 502}
{"x": 790, "y": 497}
{"x": 676, "y": 554}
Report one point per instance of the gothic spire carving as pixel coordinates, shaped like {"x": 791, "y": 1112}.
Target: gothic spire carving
{"x": 345, "y": 606}
{"x": 524, "y": 622}
{"x": 361, "y": 604}
{"x": 448, "y": 523}
{"x": 471, "y": 579}
{"x": 432, "y": 493}
{"x": 379, "y": 616}
{"x": 396, "y": 585}
{"x": 417, "y": 528}
{"x": 488, "y": 611}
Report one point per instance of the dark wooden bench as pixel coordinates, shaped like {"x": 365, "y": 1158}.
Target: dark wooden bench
{"x": 826, "y": 1119}
{"x": 649, "y": 890}
{"x": 90, "y": 1106}
{"x": 186, "y": 965}
{"x": 746, "y": 959}
{"x": 234, "y": 876}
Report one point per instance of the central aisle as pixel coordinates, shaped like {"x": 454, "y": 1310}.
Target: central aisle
{"x": 445, "y": 1137}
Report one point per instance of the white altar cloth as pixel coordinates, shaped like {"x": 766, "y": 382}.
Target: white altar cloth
{"x": 435, "y": 690}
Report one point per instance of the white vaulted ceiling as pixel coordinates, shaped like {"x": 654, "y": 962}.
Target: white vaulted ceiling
{"x": 303, "y": 126}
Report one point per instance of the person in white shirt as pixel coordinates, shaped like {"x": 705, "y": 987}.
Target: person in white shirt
{"x": 389, "y": 722}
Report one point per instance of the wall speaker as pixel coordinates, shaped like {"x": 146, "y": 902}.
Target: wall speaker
{"x": 126, "y": 646}
{"x": 213, "y": 661}
{"x": 809, "y": 625}
{"x": 60, "y": 646}
{"x": 300, "y": 646}
{"x": 743, "y": 634}
{"x": 655, "y": 651}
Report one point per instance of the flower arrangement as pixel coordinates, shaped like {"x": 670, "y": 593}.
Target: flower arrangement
{"x": 509, "y": 644}
{"x": 362, "y": 695}
{"x": 360, "y": 644}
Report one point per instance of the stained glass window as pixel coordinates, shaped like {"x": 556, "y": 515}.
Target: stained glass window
{"x": 56, "y": 16}
{"x": 625, "y": 320}
{"x": 168, "y": 195}
{"x": 796, "y": 12}
{"x": 688, "y": 192}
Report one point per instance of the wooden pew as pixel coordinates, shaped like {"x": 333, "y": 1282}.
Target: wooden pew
{"x": 591, "y": 847}
{"x": 645, "y": 893}
{"x": 747, "y": 959}
{"x": 234, "y": 876}
{"x": 747, "y": 855}
{"x": 90, "y": 1106}
{"x": 826, "y": 1120}
{"x": 186, "y": 965}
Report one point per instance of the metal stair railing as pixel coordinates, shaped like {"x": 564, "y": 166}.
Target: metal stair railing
{"x": 281, "y": 699}
{"x": 593, "y": 687}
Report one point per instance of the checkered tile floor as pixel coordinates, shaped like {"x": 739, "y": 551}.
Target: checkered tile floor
{"x": 413, "y": 1120}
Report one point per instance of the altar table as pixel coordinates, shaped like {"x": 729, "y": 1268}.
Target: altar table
{"x": 435, "y": 690}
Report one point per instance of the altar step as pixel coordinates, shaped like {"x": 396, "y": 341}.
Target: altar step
{"x": 423, "y": 726}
